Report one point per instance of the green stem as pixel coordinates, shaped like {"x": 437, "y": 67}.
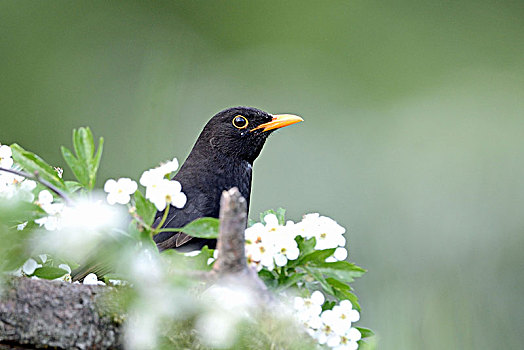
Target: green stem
{"x": 164, "y": 218}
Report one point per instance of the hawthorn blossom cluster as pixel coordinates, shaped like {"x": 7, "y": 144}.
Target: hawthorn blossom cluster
{"x": 332, "y": 328}
{"x": 273, "y": 244}
{"x": 160, "y": 190}
{"x": 12, "y": 184}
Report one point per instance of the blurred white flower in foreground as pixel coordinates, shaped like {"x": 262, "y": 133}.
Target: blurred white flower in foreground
{"x": 53, "y": 209}
{"x": 309, "y": 309}
{"x": 5, "y": 157}
{"x": 157, "y": 299}
{"x": 30, "y": 266}
{"x": 120, "y": 191}
{"x": 81, "y": 227}
{"x": 92, "y": 279}
{"x": 228, "y": 306}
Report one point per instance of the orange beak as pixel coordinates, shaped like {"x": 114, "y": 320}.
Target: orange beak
{"x": 279, "y": 121}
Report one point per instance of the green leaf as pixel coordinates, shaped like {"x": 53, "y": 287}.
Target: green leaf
{"x": 317, "y": 256}
{"x": 328, "y": 305}
{"x": 263, "y": 215}
{"x": 199, "y": 262}
{"x": 269, "y": 279}
{"x": 95, "y": 162}
{"x": 77, "y": 167}
{"x": 84, "y": 166}
{"x": 342, "y": 270}
{"x": 72, "y": 186}
{"x": 306, "y": 246}
{"x": 343, "y": 291}
{"x": 84, "y": 144}
{"x": 201, "y": 228}
{"x": 319, "y": 278}
{"x": 33, "y": 163}
{"x": 144, "y": 208}
{"x": 281, "y": 216}
{"x": 290, "y": 281}
{"x": 366, "y": 332}
{"x": 49, "y": 272}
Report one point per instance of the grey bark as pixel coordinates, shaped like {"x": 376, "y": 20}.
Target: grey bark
{"x": 41, "y": 313}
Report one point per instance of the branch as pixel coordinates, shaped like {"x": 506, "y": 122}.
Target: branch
{"x": 42, "y": 313}
{"x": 44, "y": 182}
{"x": 231, "y": 243}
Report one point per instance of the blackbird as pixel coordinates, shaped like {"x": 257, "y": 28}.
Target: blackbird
{"x": 221, "y": 158}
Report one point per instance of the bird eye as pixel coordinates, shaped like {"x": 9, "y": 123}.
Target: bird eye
{"x": 240, "y": 122}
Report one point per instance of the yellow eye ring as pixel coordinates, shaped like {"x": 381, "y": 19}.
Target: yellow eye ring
{"x": 240, "y": 122}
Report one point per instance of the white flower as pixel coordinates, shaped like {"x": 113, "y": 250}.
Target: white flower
{"x": 44, "y": 198}
{"x": 152, "y": 177}
{"x": 229, "y": 304}
{"x": 340, "y": 254}
{"x": 343, "y": 314}
{"x": 50, "y": 223}
{"x": 45, "y": 201}
{"x": 30, "y": 266}
{"x": 347, "y": 341}
{"x": 120, "y": 191}
{"x": 5, "y": 157}
{"x": 167, "y": 192}
{"x": 336, "y": 331}
{"x": 327, "y": 232}
{"x": 270, "y": 244}
{"x": 309, "y": 308}
{"x": 92, "y": 279}
{"x": 167, "y": 168}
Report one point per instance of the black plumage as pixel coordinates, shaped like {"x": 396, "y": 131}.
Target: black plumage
{"x": 221, "y": 158}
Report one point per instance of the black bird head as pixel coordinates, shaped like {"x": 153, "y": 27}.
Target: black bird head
{"x": 240, "y": 132}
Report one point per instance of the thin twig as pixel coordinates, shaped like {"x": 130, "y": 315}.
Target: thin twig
{"x": 36, "y": 177}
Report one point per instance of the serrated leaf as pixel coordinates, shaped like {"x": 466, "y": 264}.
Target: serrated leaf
{"x": 305, "y": 246}
{"x": 342, "y": 270}
{"x": 320, "y": 279}
{"x": 365, "y": 332}
{"x": 77, "y": 167}
{"x": 290, "y": 281}
{"x": 343, "y": 291}
{"x": 49, "y": 272}
{"x": 33, "y": 163}
{"x": 144, "y": 208}
{"x": 316, "y": 256}
{"x": 201, "y": 228}
{"x": 328, "y": 305}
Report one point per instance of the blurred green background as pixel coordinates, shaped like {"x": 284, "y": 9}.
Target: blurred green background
{"x": 413, "y": 138}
